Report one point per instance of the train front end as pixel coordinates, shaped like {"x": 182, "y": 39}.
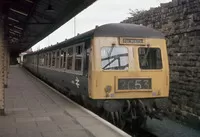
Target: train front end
{"x": 128, "y": 68}
{"x": 127, "y": 75}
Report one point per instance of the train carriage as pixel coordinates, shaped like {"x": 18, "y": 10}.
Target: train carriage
{"x": 115, "y": 66}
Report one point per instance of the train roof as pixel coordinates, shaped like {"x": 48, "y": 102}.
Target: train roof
{"x": 126, "y": 30}
{"x": 111, "y": 30}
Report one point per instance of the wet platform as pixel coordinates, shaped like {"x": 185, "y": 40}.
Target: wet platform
{"x": 34, "y": 110}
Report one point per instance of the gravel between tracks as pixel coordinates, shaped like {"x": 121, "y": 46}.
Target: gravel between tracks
{"x": 169, "y": 128}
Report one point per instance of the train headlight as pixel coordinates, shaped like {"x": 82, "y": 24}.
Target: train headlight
{"x": 108, "y": 88}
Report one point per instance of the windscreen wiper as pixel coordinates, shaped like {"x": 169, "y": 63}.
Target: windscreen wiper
{"x": 114, "y": 58}
{"x": 109, "y": 54}
{"x": 145, "y": 56}
{"x": 111, "y": 50}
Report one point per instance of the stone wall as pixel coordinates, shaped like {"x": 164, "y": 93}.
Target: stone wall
{"x": 179, "y": 20}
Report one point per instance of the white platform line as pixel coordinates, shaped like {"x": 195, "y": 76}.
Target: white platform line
{"x": 121, "y": 132}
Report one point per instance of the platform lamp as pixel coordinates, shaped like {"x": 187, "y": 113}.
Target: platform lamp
{"x": 49, "y": 8}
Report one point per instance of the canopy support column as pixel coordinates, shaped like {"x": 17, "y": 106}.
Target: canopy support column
{"x": 2, "y": 90}
{"x": 5, "y": 67}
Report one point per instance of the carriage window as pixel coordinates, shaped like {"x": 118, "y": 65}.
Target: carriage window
{"x": 53, "y": 59}
{"x": 62, "y": 58}
{"x": 79, "y": 50}
{"x": 114, "y": 58}
{"x": 43, "y": 60}
{"x": 57, "y": 59}
{"x": 69, "y": 57}
{"x": 49, "y": 60}
{"x": 32, "y": 61}
{"x": 78, "y": 58}
{"x": 35, "y": 60}
{"x": 40, "y": 60}
{"x": 46, "y": 59}
{"x": 150, "y": 58}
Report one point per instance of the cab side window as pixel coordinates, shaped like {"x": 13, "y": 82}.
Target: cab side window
{"x": 87, "y": 56}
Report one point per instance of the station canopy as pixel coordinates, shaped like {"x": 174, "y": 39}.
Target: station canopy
{"x": 26, "y": 22}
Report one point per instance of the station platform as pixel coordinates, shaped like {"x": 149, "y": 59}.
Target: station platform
{"x": 35, "y": 110}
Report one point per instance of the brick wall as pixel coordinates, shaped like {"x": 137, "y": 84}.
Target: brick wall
{"x": 179, "y": 20}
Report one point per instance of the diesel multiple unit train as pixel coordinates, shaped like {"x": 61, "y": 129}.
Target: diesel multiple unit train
{"x": 120, "y": 69}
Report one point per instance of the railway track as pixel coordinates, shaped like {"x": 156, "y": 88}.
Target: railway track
{"x": 142, "y": 133}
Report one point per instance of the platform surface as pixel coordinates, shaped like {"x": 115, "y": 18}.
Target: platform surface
{"x": 34, "y": 110}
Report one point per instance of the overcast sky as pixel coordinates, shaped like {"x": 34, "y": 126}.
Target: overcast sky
{"x": 101, "y": 12}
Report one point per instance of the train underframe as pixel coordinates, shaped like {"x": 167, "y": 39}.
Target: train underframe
{"x": 130, "y": 113}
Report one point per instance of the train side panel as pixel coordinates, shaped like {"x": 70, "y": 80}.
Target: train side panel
{"x": 68, "y": 82}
